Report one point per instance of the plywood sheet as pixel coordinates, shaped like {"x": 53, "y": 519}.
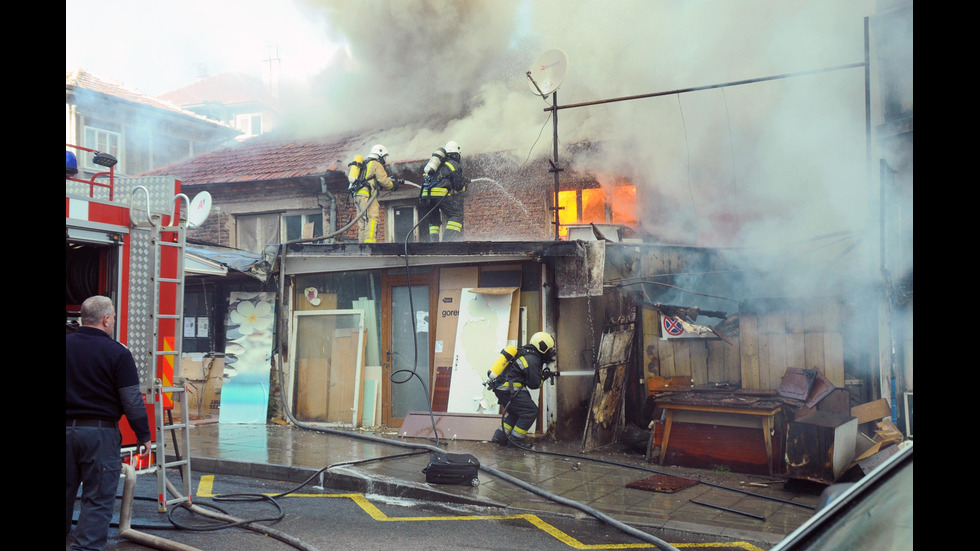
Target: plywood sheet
{"x": 484, "y": 319}
{"x": 343, "y": 374}
{"x": 312, "y": 378}
{"x": 372, "y": 349}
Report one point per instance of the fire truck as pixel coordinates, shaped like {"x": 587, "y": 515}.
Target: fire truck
{"x": 125, "y": 239}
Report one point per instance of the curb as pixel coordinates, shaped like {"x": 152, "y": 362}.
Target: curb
{"x": 339, "y": 478}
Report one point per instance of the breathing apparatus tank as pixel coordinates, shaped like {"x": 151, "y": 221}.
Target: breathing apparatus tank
{"x": 355, "y": 169}
{"x": 506, "y": 356}
{"x": 438, "y": 156}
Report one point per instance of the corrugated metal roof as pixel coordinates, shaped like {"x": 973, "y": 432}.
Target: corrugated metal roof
{"x": 213, "y": 259}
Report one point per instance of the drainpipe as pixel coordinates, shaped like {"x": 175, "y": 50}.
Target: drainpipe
{"x": 333, "y": 205}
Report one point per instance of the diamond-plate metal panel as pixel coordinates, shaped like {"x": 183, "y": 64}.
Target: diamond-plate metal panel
{"x": 78, "y": 189}
{"x": 160, "y": 191}
{"x": 142, "y": 261}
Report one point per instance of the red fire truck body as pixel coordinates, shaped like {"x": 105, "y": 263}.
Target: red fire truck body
{"x": 111, "y": 250}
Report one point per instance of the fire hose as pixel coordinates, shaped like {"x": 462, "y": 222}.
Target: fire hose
{"x": 639, "y": 534}
{"x": 126, "y": 531}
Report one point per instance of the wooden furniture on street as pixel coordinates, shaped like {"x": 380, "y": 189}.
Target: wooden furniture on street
{"x": 718, "y": 429}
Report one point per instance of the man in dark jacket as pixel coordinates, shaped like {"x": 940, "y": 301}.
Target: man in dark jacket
{"x": 526, "y": 371}
{"x": 101, "y": 384}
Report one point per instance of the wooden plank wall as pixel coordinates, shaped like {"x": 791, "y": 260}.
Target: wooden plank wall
{"x": 704, "y": 360}
{"x": 802, "y": 333}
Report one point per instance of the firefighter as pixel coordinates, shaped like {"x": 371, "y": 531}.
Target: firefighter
{"x": 441, "y": 198}
{"x": 526, "y": 371}
{"x": 374, "y": 175}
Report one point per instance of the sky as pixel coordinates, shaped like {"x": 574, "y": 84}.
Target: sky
{"x": 786, "y": 158}
{"x": 156, "y": 47}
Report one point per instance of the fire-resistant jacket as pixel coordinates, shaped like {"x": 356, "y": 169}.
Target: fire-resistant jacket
{"x": 376, "y": 175}
{"x": 448, "y": 179}
{"x": 525, "y": 370}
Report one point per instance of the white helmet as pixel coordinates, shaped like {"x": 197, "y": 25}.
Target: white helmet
{"x": 380, "y": 151}
{"x": 452, "y": 147}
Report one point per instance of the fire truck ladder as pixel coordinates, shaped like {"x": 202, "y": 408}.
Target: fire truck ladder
{"x": 166, "y": 394}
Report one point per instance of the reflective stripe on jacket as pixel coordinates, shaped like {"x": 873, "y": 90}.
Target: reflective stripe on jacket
{"x": 375, "y": 174}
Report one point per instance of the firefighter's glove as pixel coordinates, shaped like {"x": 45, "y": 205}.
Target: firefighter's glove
{"x": 547, "y": 373}
{"x": 397, "y": 183}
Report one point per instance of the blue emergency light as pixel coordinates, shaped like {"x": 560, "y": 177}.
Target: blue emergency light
{"x": 71, "y": 164}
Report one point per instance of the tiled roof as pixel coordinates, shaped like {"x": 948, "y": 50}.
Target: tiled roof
{"x": 229, "y": 88}
{"x": 82, "y": 79}
{"x": 266, "y": 157}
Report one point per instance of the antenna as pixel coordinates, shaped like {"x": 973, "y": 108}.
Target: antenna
{"x": 199, "y": 209}
{"x": 547, "y": 72}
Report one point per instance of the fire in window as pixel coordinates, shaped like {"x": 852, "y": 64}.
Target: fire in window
{"x": 601, "y": 205}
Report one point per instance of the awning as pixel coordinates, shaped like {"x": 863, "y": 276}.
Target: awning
{"x": 200, "y": 260}
{"x": 197, "y": 265}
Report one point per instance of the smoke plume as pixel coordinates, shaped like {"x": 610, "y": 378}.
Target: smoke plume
{"x": 778, "y": 165}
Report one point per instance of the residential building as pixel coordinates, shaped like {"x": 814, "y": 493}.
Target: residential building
{"x": 140, "y": 131}
{"x": 233, "y": 98}
{"x": 600, "y": 279}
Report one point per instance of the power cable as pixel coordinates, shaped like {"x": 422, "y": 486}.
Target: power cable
{"x": 731, "y": 149}
{"x": 687, "y": 145}
{"x": 550, "y": 114}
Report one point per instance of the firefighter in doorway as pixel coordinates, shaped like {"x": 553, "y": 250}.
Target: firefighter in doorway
{"x": 525, "y": 369}
{"x": 374, "y": 175}
{"x": 441, "y": 198}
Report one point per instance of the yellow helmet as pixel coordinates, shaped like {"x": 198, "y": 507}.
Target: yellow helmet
{"x": 542, "y": 341}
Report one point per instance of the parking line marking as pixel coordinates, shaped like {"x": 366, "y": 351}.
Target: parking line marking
{"x": 206, "y": 488}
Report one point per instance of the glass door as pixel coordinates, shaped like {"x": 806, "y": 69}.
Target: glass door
{"x": 408, "y": 335}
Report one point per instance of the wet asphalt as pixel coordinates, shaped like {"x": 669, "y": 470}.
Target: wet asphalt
{"x": 614, "y": 483}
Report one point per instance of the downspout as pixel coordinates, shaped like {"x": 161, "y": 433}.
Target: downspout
{"x": 333, "y": 206}
{"x": 886, "y": 280}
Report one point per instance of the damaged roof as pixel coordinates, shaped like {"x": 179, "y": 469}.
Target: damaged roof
{"x": 217, "y": 260}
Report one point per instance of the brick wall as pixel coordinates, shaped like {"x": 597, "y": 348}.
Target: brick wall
{"x": 503, "y": 202}
{"x": 229, "y": 200}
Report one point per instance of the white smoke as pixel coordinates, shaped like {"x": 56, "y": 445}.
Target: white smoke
{"x": 783, "y": 160}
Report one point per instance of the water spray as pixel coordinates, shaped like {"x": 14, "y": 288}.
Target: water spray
{"x": 503, "y": 189}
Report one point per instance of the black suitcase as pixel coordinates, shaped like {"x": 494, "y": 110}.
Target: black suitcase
{"x": 452, "y": 468}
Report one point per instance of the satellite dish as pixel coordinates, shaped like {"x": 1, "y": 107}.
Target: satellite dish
{"x": 547, "y": 72}
{"x": 199, "y": 209}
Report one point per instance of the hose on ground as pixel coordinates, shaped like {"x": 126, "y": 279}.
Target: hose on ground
{"x": 126, "y": 531}
{"x": 642, "y": 536}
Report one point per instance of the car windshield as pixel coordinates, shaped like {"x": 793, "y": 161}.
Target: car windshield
{"x": 877, "y": 517}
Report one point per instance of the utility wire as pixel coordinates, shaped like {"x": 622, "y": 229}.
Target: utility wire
{"x": 540, "y": 132}
{"x": 731, "y": 149}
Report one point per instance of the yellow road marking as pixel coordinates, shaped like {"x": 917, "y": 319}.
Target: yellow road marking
{"x": 206, "y": 487}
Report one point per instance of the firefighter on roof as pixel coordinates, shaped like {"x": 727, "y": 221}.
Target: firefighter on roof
{"x": 441, "y": 197}
{"x": 524, "y": 368}
{"x": 365, "y": 181}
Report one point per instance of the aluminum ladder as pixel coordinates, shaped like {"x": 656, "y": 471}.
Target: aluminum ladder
{"x": 164, "y": 393}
